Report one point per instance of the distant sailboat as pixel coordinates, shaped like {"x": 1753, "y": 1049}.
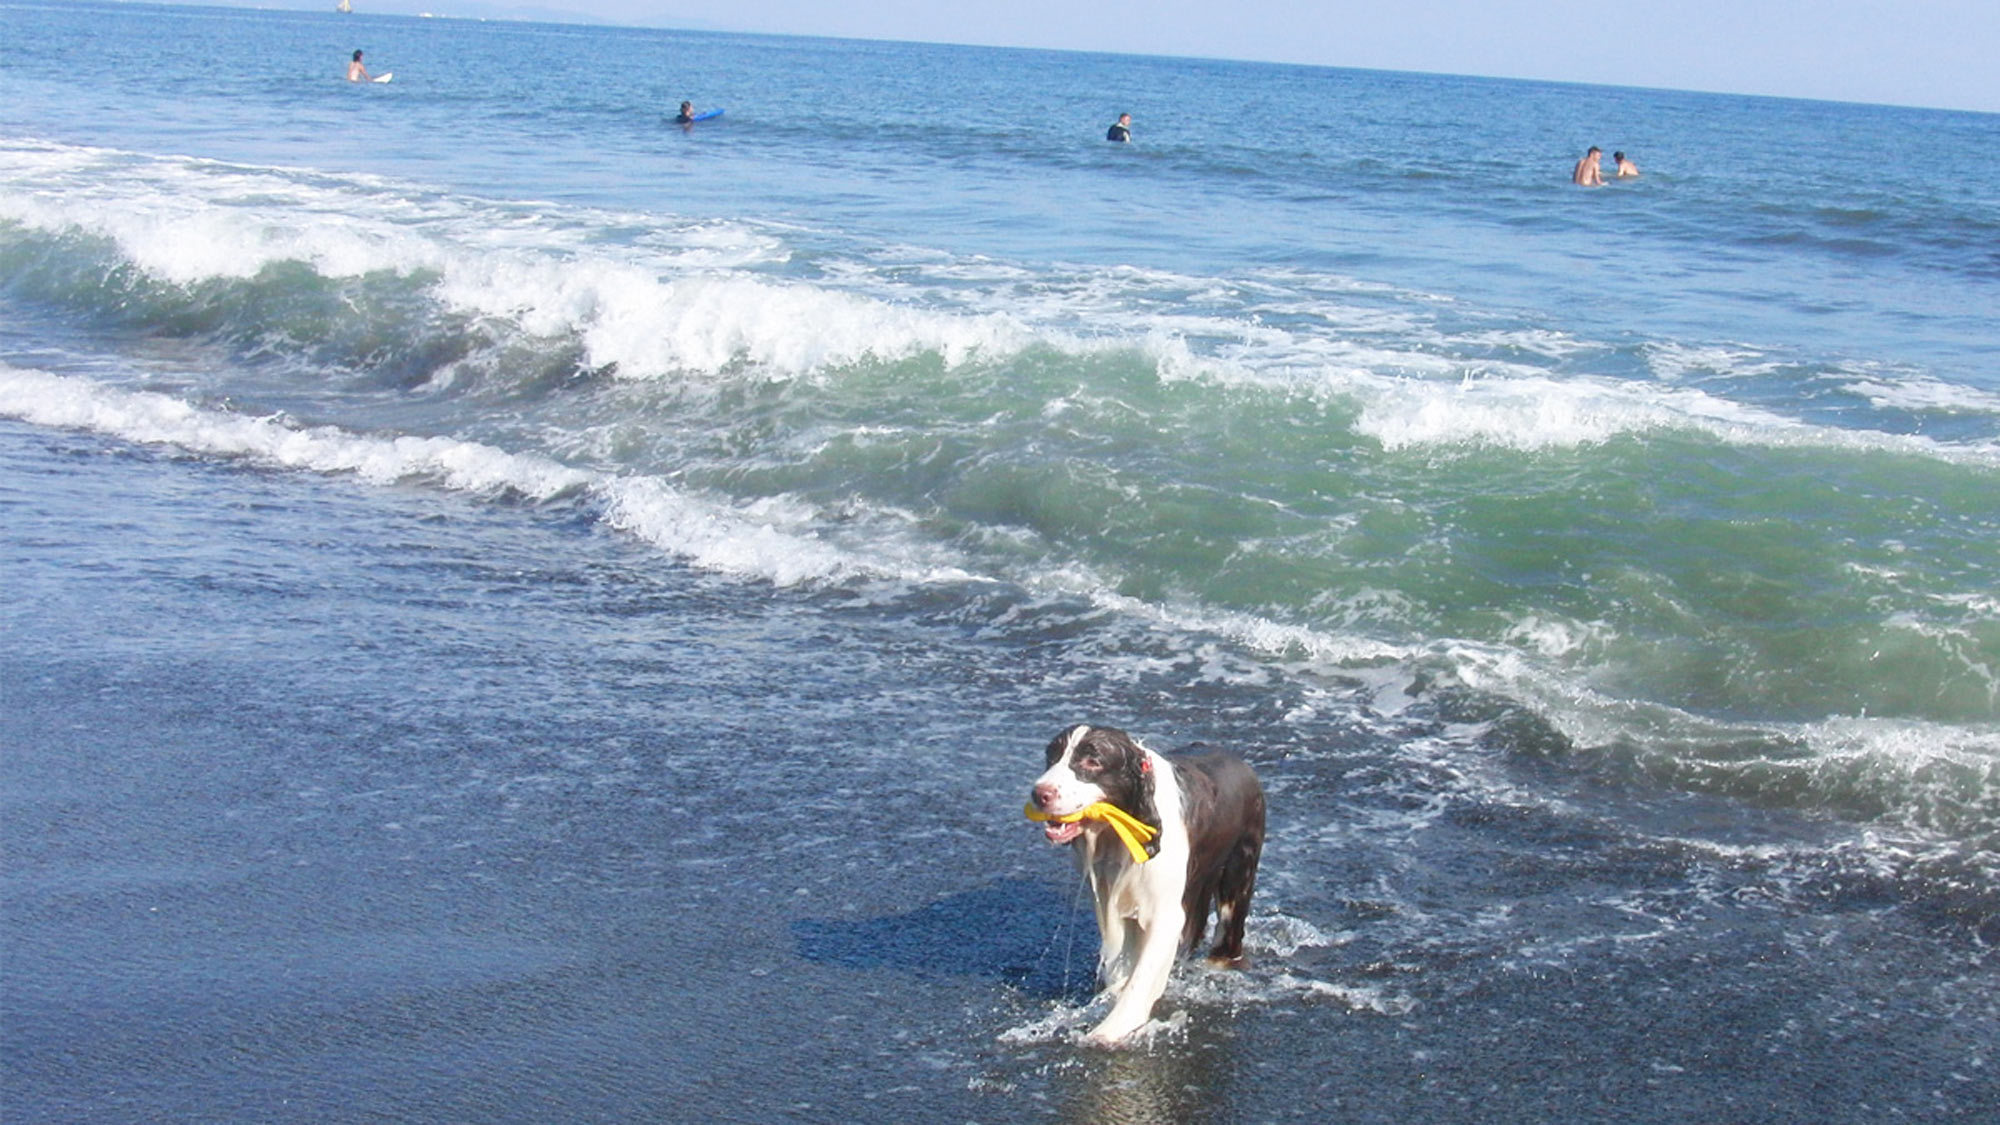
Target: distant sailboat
{"x": 343, "y": 6}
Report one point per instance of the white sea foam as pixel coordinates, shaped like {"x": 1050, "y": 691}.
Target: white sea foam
{"x": 1255, "y": 987}
{"x": 1282, "y": 935}
{"x": 1542, "y": 412}
{"x": 654, "y": 307}
{"x": 1062, "y": 1023}
{"x": 142, "y": 416}
{"x": 1356, "y": 998}
{"x": 1671, "y": 361}
{"x": 1534, "y": 341}
{"x": 774, "y": 539}
{"x": 1929, "y": 776}
{"x": 1420, "y": 385}
{"x": 185, "y": 221}
{"x": 1923, "y": 394}
{"x": 1560, "y": 638}
{"x": 1928, "y": 763}
{"x": 711, "y": 298}
{"x": 1195, "y": 985}
{"x": 1316, "y": 646}
{"x": 631, "y": 318}
{"x": 675, "y": 300}
{"x": 777, "y": 539}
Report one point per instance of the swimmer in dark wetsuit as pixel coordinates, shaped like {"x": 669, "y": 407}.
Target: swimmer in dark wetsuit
{"x": 687, "y": 114}
{"x": 1121, "y": 130}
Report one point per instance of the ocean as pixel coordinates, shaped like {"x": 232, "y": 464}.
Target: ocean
{"x": 512, "y": 610}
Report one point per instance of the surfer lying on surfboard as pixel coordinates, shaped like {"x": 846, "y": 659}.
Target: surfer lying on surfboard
{"x": 688, "y": 116}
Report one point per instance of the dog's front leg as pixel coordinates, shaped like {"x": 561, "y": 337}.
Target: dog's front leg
{"x": 1118, "y": 943}
{"x": 1115, "y": 932}
{"x": 1152, "y": 964}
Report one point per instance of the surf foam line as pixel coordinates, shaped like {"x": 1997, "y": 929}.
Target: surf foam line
{"x": 1419, "y": 385}
{"x": 1909, "y": 774}
{"x": 706, "y": 298}
{"x": 1543, "y": 413}
{"x": 685, "y": 296}
{"x": 766, "y": 539}
{"x": 774, "y": 539}
{"x": 770, "y": 538}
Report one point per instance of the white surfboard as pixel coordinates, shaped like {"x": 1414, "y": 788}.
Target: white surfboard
{"x": 384, "y": 77}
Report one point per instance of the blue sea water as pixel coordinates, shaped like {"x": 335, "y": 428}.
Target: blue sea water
{"x": 514, "y": 610}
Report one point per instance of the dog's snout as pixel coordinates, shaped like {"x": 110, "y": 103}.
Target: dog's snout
{"x": 1046, "y": 794}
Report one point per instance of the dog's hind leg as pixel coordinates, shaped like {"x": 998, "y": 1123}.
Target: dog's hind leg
{"x": 1232, "y": 905}
{"x": 1197, "y": 902}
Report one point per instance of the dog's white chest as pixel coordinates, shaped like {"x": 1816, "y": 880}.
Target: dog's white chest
{"x": 1136, "y": 891}
{"x": 1127, "y": 899}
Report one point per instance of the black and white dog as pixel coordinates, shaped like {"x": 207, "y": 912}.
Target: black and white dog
{"x": 1209, "y": 813}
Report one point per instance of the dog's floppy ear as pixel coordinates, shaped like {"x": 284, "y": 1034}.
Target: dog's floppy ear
{"x": 1138, "y": 771}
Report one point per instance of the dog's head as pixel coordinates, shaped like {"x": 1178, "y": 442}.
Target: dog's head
{"x": 1089, "y": 764}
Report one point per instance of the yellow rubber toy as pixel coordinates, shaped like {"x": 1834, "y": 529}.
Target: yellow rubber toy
{"x": 1133, "y": 831}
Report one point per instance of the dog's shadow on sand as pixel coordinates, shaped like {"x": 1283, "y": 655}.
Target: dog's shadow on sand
{"x": 1015, "y": 930}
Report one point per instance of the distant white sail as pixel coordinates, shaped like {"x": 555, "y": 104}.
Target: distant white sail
{"x": 343, "y": 6}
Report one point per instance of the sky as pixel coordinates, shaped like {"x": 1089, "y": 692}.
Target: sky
{"x": 1938, "y": 53}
